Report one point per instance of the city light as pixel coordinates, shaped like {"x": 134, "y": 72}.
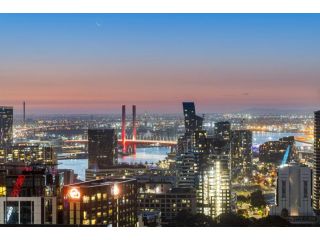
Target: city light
{"x": 74, "y": 193}
{"x": 115, "y": 190}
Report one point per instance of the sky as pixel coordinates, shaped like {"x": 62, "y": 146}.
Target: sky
{"x": 94, "y": 63}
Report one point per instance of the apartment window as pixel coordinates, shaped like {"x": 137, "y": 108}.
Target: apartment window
{"x": 85, "y": 199}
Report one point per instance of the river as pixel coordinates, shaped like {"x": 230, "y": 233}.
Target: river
{"x": 154, "y": 154}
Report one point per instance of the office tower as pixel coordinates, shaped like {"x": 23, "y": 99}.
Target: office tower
{"x": 108, "y": 201}
{"x": 316, "y": 164}
{"x": 222, "y": 136}
{"x": 273, "y": 151}
{"x": 241, "y": 152}
{"x": 293, "y": 196}
{"x": 6, "y": 132}
{"x": 191, "y": 120}
{"x": 187, "y": 169}
{"x": 102, "y": 148}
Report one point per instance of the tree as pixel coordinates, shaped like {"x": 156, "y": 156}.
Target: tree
{"x": 233, "y": 220}
{"x": 242, "y": 198}
{"x": 257, "y": 199}
{"x": 271, "y": 221}
{"x": 188, "y": 219}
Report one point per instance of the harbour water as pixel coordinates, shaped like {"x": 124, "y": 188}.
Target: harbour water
{"x": 155, "y": 154}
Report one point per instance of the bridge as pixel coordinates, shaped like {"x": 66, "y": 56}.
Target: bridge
{"x": 131, "y": 142}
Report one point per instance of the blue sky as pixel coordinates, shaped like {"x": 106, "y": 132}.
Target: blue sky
{"x": 96, "y": 62}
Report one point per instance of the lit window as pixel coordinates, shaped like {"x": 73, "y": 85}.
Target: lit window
{"x": 85, "y": 199}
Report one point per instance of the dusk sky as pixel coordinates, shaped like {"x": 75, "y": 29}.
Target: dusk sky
{"x": 94, "y": 63}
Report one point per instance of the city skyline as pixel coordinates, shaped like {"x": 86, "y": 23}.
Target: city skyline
{"x": 93, "y": 63}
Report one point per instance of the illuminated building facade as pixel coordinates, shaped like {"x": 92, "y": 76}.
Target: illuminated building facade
{"x": 6, "y": 131}
{"x": 293, "y": 196}
{"x": 102, "y": 148}
{"x": 316, "y": 164}
{"x": 214, "y": 192}
{"x": 28, "y": 153}
{"x": 108, "y": 201}
{"x": 241, "y": 152}
{"x": 222, "y": 186}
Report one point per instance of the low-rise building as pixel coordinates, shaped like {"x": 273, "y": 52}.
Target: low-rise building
{"x": 107, "y": 201}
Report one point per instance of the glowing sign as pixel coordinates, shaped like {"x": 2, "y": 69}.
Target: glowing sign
{"x": 74, "y": 193}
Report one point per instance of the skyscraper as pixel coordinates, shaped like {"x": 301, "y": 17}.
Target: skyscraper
{"x": 6, "y": 120}
{"x": 214, "y": 190}
{"x": 191, "y": 120}
{"x": 102, "y": 148}
{"x": 316, "y": 164}
{"x": 187, "y": 169}
{"x": 241, "y": 152}
{"x": 222, "y": 136}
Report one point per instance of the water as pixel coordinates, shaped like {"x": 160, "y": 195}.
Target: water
{"x": 149, "y": 155}
{"x": 79, "y": 166}
{"x": 154, "y": 154}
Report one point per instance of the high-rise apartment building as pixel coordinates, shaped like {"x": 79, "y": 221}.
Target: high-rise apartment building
{"x": 102, "y": 148}
{"x": 187, "y": 170}
{"x": 241, "y": 152}
{"x": 191, "y": 120}
{"x": 214, "y": 191}
{"x": 222, "y": 136}
{"x": 6, "y": 121}
{"x": 316, "y": 164}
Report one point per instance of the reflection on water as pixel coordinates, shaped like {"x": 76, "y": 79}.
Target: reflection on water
{"x": 150, "y": 155}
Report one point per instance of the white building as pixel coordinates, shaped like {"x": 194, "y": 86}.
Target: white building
{"x": 293, "y": 196}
